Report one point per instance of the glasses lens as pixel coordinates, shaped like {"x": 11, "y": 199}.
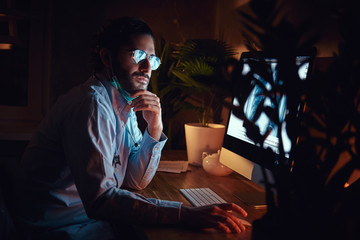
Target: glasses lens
{"x": 154, "y": 62}
{"x": 138, "y": 56}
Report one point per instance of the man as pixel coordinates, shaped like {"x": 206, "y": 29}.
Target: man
{"x": 88, "y": 150}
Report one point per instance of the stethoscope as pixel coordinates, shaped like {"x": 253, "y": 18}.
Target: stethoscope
{"x": 129, "y": 100}
{"x": 132, "y": 137}
{"x": 114, "y": 82}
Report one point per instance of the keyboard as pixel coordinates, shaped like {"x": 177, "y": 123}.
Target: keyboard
{"x": 201, "y": 196}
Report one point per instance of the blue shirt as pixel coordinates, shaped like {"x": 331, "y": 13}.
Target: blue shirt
{"x": 83, "y": 157}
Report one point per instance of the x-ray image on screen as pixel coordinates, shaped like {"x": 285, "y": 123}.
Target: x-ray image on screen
{"x": 256, "y": 96}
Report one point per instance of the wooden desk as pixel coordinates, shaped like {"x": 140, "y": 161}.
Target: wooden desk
{"x": 166, "y": 186}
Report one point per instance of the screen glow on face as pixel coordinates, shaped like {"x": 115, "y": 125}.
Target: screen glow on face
{"x": 139, "y": 55}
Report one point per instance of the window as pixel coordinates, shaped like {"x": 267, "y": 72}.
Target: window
{"x": 22, "y": 73}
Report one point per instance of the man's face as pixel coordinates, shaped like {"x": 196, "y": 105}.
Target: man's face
{"x": 133, "y": 77}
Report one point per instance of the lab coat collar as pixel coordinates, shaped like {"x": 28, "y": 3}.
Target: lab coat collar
{"x": 119, "y": 103}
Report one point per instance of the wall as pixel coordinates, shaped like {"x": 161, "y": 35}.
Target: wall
{"x": 73, "y": 25}
{"x": 319, "y": 17}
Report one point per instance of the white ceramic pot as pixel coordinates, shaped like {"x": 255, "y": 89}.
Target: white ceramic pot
{"x": 202, "y": 139}
{"x": 212, "y": 165}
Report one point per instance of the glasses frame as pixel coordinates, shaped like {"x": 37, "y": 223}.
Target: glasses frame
{"x": 153, "y": 59}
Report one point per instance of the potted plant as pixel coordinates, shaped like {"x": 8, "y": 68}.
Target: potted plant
{"x": 163, "y": 85}
{"x": 312, "y": 189}
{"x": 199, "y": 67}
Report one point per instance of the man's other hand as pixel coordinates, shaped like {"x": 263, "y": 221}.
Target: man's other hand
{"x": 217, "y": 216}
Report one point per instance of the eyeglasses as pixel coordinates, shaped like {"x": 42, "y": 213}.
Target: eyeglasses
{"x": 139, "y": 55}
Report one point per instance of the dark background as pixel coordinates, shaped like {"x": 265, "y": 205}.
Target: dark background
{"x": 67, "y": 28}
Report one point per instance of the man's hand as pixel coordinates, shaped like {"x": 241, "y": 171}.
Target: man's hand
{"x": 149, "y": 104}
{"x": 217, "y": 216}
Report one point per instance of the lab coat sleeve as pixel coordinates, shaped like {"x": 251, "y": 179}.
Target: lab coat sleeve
{"x": 144, "y": 159}
{"x": 89, "y": 143}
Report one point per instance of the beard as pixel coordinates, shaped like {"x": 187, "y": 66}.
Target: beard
{"x": 130, "y": 83}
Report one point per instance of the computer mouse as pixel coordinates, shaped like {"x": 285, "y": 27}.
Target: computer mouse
{"x": 246, "y": 223}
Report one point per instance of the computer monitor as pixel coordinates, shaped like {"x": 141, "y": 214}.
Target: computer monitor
{"x": 240, "y": 153}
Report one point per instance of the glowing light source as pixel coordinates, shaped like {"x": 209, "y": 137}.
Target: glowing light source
{"x": 5, "y": 46}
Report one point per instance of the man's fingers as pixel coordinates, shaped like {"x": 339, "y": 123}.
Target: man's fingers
{"x": 142, "y": 93}
{"x": 222, "y": 227}
{"x": 146, "y": 105}
{"x": 235, "y": 222}
{"x": 145, "y": 101}
{"x": 147, "y": 98}
{"x": 226, "y": 224}
{"x": 232, "y": 207}
{"x": 225, "y": 217}
{"x": 239, "y": 209}
{"x": 219, "y": 224}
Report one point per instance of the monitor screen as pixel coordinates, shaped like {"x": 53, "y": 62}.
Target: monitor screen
{"x": 239, "y": 152}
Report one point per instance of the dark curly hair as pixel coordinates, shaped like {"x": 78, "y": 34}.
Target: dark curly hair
{"x": 116, "y": 34}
